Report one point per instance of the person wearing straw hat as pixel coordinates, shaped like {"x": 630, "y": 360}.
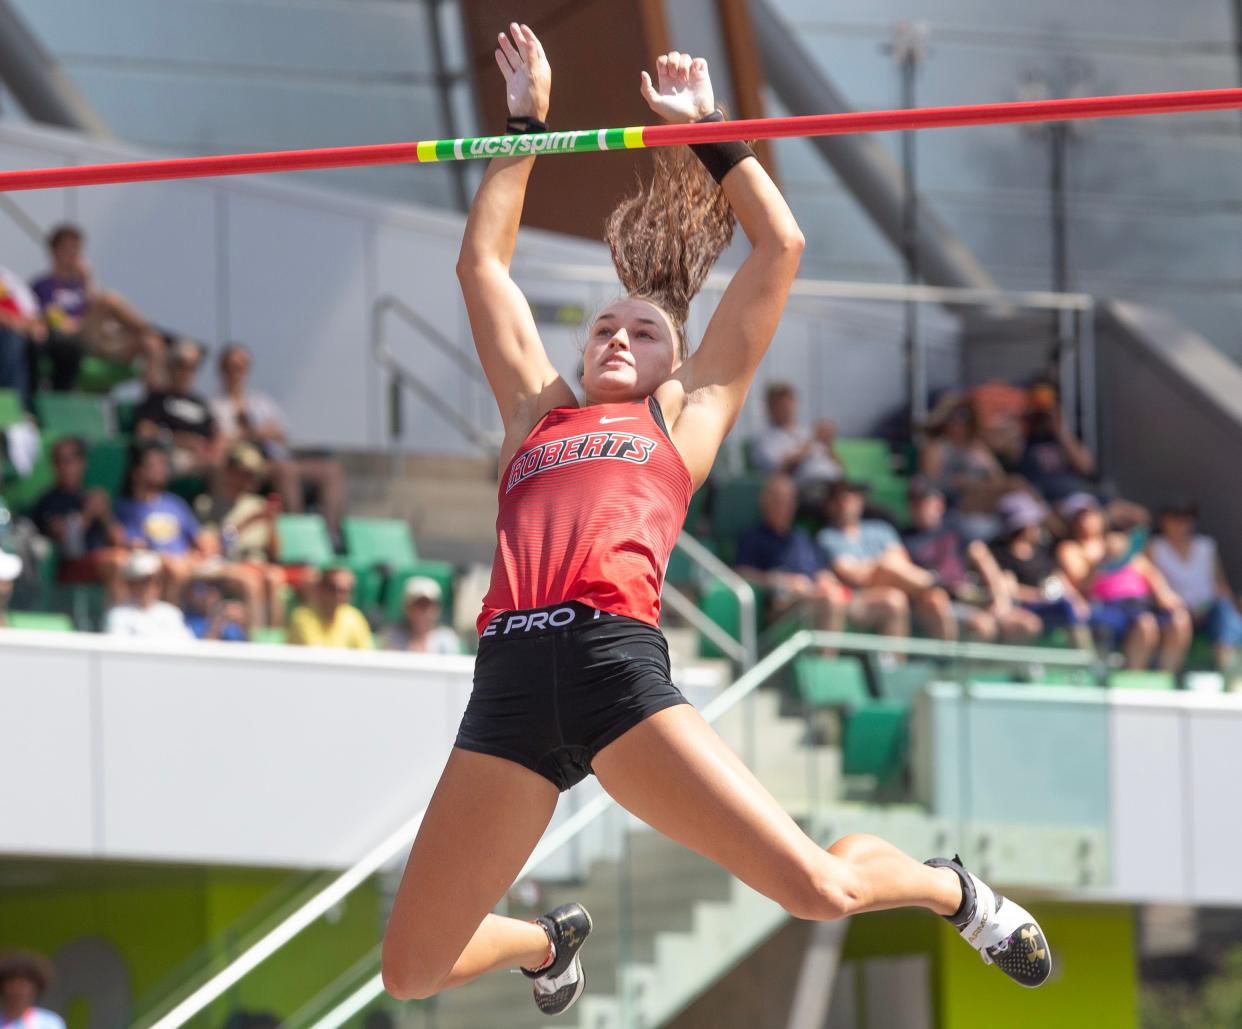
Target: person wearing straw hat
{"x": 24, "y": 977}
{"x": 572, "y": 675}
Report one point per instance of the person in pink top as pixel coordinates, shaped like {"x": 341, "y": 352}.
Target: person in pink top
{"x": 1131, "y": 601}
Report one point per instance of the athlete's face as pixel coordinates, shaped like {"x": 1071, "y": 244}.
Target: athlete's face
{"x": 630, "y": 350}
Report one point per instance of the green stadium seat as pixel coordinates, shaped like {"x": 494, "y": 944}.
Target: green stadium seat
{"x": 831, "y": 682}
{"x": 42, "y": 621}
{"x": 720, "y": 604}
{"x": 268, "y": 634}
{"x": 876, "y": 742}
{"x": 304, "y": 540}
{"x": 1130, "y": 679}
{"x": 372, "y": 542}
{"x": 900, "y": 684}
{"x": 735, "y": 508}
{"x": 865, "y": 459}
{"x": 99, "y": 374}
{"x": 74, "y": 414}
{"x": 22, "y": 494}
{"x": 106, "y": 463}
{"x": 11, "y": 410}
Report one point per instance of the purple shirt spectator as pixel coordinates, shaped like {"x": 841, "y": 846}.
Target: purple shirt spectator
{"x": 166, "y": 524}
{"x": 68, "y": 295}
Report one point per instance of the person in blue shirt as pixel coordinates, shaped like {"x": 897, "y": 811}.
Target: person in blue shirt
{"x": 150, "y": 518}
{"x": 866, "y": 553}
{"x": 211, "y": 616}
{"x": 781, "y": 558}
{"x": 24, "y": 977}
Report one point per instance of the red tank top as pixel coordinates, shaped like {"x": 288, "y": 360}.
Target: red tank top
{"x": 590, "y": 507}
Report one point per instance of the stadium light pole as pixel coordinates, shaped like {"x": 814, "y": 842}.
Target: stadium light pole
{"x": 908, "y": 48}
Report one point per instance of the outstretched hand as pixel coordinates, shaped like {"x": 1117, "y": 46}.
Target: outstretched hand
{"x": 685, "y": 89}
{"x": 528, "y": 76}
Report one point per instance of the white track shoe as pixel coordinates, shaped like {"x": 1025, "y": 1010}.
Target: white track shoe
{"x": 1004, "y": 933}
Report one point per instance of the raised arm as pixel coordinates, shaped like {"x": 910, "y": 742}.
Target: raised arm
{"x": 513, "y": 356}
{"x": 716, "y": 377}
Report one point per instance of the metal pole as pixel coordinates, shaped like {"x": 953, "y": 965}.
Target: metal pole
{"x": 37, "y": 82}
{"x": 444, "y": 82}
{"x": 864, "y": 166}
{"x": 909, "y": 49}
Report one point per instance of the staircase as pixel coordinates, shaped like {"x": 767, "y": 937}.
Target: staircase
{"x": 450, "y": 501}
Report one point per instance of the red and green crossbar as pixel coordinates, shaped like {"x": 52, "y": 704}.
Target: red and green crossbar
{"x": 634, "y": 137}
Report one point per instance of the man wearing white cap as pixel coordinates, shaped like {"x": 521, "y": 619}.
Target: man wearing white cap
{"x": 144, "y": 614}
{"x": 421, "y": 633}
{"x": 10, "y": 569}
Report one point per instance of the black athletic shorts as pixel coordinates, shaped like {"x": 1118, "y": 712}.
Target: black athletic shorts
{"x": 555, "y": 685}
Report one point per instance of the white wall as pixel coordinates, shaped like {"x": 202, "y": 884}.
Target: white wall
{"x": 217, "y": 753}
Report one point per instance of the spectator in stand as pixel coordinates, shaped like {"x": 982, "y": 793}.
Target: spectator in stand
{"x": 143, "y": 613}
{"x": 245, "y": 523}
{"x": 21, "y": 328}
{"x": 422, "y": 632}
{"x": 328, "y": 619}
{"x": 1053, "y": 460}
{"x": 782, "y": 559}
{"x": 1191, "y": 564}
{"x": 210, "y": 615}
{"x": 151, "y": 518}
{"x": 1025, "y": 558}
{"x": 868, "y": 554}
{"x": 82, "y": 318}
{"x": 958, "y": 463}
{"x": 809, "y": 455}
{"x": 248, "y": 415}
{"x": 981, "y": 595}
{"x": 179, "y": 418}
{"x": 1131, "y": 600}
{"x": 79, "y": 522}
{"x": 10, "y": 569}
{"x": 24, "y": 977}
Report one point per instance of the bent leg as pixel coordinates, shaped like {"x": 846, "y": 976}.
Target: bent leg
{"x": 676, "y": 774}
{"x": 484, "y": 819}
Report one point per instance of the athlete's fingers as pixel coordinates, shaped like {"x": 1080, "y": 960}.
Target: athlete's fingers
{"x": 699, "y": 67}
{"x": 511, "y": 53}
{"x": 533, "y": 47}
{"x": 502, "y": 62}
{"x": 647, "y": 89}
{"x": 662, "y": 66}
{"x": 684, "y": 66}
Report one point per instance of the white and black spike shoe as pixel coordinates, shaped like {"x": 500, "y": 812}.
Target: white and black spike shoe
{"x": 562, "y": 982}
{"x": 1004, "y": 933}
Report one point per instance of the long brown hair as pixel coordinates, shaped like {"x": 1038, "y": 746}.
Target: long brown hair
{"x": 666, "y": 237}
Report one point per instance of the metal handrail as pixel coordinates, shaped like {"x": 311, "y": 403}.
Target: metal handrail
{"x": 743, "y": 590}
{"x": 700, "y": 621}
{"x": 828, "y": 289}
{"x": 746, "y": 684}
{"x": 404, "y": 376}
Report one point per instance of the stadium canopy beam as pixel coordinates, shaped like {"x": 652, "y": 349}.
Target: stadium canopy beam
{"x": 861, "y": 162}
{"x": 36, "y": 80}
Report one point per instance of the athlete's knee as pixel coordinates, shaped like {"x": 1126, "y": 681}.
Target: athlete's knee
{"x": 823, "y": 892}
{"x": 407, "y": 976}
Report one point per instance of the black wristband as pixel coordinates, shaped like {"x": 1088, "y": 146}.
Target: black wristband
{"x": 521, "y": 124}
{"x": 719, "y": 158}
